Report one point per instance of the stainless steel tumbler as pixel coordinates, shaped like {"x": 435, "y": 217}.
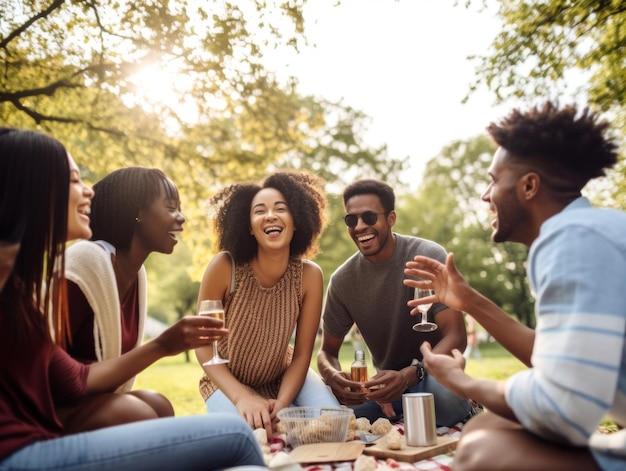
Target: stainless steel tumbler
{"x": 420, "y": 428}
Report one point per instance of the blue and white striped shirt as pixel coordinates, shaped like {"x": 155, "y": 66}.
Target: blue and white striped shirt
{"x": 577, "y": 271}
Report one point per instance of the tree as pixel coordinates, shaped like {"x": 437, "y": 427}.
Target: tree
{"x": 448, "y": 210}
{"x": 82, "y": 70}
{"x": 172, "y": 294}
{"x": 75, "y": 46}
{"x": 545, "y": 45}
{"x": 541, "y": 42}
{"x": 335, "y": 244}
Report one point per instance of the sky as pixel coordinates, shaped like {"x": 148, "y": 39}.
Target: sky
{"x": 403, "y": 63}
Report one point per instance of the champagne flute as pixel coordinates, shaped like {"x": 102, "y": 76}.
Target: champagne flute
{"x": 213, "y": 308}
{"x": 424, "y": 325}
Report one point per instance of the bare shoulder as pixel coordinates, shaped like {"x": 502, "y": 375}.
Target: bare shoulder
{"x": 310, "y": 268}
{"x": 312, "y": 276}
{"x": 217, "y": 275}
{"x": 221, "y": 260}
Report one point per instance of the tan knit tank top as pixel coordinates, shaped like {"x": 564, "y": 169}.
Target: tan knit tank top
{"x": 260, "y": 322}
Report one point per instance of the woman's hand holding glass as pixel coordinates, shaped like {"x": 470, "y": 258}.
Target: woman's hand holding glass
{"x": 190, "y": 333}
{"x": 213, "y": 308}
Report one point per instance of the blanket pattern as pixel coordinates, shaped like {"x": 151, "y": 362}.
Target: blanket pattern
{"x": 436, "y": 463}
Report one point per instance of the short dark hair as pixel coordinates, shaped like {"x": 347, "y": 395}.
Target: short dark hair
{"x": 562, "y": 142}
{"x": 369, "y": 186}
{"x": 304, "y": 194}
{"x": 120, "y": 196}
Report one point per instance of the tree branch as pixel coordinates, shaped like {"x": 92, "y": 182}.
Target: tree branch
{"x": 55, "y": 4}
{"x": 48, "y": 90}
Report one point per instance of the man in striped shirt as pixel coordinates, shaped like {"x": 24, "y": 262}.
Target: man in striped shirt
{"x": 546, "y": 417}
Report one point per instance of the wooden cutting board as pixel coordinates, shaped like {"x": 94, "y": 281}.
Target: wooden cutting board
{"x": 327, "y": 452}
{"x": 411, "y": 454}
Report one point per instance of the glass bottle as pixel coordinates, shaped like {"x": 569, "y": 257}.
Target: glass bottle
{"x": 358, "y": 370}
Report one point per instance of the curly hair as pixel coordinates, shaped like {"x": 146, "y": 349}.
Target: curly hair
{"x": 565, "y": 145}
{"x": 120, "y": 196}
{"x": 369, "y": 186}
{"x": 304, "y": 193}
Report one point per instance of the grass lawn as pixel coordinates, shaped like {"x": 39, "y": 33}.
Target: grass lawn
{"x": 178, "y": 380}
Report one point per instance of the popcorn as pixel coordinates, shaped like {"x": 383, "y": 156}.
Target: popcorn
{"x": 281, "y": 459}
{"x": 261, "y": 436}
{"x": 315, "y": 432}
{"x": 365, "y": 463}
{"x": 381, "y": 426}
{"x": 279, "y": 428}
{"x": 352, "y": 428}
{"x": 363, "y": 424}
{"x": 393, "y": 439}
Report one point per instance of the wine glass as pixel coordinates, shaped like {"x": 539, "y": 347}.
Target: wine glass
{"x": 213, "y": 308}
{"x": 424, "y": 325}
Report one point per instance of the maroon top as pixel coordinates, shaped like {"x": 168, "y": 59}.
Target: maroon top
{"x": 32, "y": 373}
{"x": 81, "y": 323}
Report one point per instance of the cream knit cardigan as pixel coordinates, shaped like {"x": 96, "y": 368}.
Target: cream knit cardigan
{"x": 88, "y": 264}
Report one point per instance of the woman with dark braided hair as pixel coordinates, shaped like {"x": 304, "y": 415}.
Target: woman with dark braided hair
{"x": 135, "y": 211}
{"x": 44, "y": 204}
{"x": 268, "y": 289}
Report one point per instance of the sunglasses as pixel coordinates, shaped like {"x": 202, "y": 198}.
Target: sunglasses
{"x": 368, "y": 217}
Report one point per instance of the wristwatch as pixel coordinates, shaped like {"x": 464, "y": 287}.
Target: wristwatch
{"x": 420, "y": 371}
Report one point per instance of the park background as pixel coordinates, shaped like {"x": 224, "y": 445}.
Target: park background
{"x": 178, "y": 379}
{"x": 216, "y": 92}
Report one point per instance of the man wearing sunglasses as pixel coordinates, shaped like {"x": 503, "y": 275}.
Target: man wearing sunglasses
{"x": 367, "y": 290}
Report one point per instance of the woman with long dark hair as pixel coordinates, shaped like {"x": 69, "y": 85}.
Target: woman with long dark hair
{"x": 44, "y": 203}
{"x": 135, "y": 211}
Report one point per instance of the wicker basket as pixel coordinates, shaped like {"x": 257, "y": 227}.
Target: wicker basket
{"x": 306, "y": 425}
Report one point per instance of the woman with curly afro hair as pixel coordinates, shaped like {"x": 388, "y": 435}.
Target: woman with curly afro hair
{"x": 269, "y": 289}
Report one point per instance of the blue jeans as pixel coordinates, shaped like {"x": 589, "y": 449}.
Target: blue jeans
{"x": 609, "y": 462}
{"x": 449, "y": 408}
{"x": 187, "y": 443}
{"x": 314, "y": 393}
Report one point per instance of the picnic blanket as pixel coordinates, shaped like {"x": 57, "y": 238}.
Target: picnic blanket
{"x": 436, "y": 463}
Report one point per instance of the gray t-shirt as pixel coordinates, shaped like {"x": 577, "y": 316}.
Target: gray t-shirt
{"x": 372, "y": 296}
